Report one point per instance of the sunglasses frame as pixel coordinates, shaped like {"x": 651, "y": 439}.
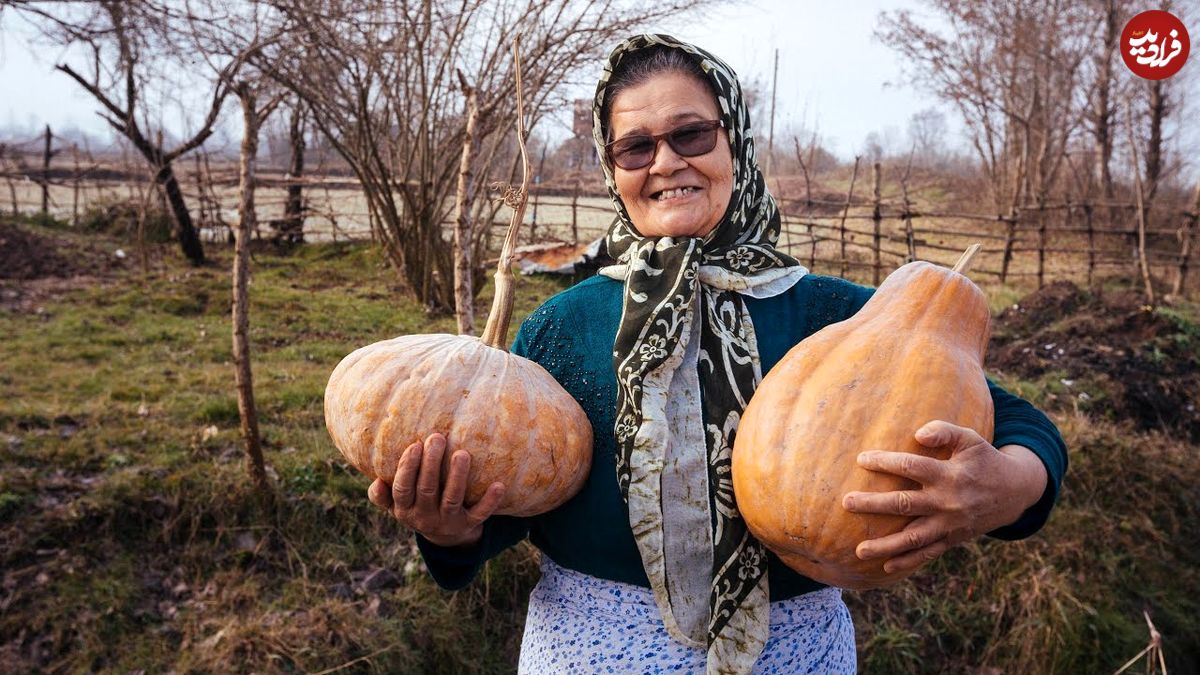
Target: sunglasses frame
{"x": 709, "y": 125}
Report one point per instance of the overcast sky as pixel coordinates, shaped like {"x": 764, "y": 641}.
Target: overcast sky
{"x": 832, "y": 74}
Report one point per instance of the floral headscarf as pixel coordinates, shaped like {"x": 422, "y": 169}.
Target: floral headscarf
{"x": 683, "y": 383}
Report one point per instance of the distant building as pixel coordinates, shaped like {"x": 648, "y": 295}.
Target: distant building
{"x": 583, "y": 118}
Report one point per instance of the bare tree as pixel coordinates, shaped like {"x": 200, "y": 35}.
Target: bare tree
{"x": 926, "y": 134}
{"x": 464, "y": 296}
{"x": 290, "y": 229}
{"x": 125, "y": 39}
{"x": 1158, "y": 110}
{"x": 1012, "y": 69}
{"x": 1103, "y": 111}
{"x": 252, "y": 120}
{"x": 379, "y": 78}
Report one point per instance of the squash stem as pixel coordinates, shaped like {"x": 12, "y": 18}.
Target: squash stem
{"x": 495, "y": 332}
{"x": 964, "y": 262}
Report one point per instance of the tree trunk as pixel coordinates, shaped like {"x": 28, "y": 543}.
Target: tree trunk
{"x": 291, "y": 230}
{"x": 189, "y": 239}
{"x": 464, "y": 297}
{"x": 1138, "y": 193}
{"x": 241, "y": 279}
{"x": 1154, "y": 154}
{"x": 1103, "y": 111}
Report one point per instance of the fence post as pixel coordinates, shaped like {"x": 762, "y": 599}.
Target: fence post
{"x": 812, "y": 238}
{"x": 575, "y": 213}
{"x": 846, "y": 210}
{"x": 876, "y": 216}
{"x": 75, "y": 188}
{"x": 1041, "y": 271}
{"x": 12, "y": 193}
{"x": 1185, "y": 252}
{"x": 537, "y": 189}
{"x": 909, "y": 237}
{"x": 1091, "y": 235}
{"x": 201, "y": 196}
{"x": 1013, "y": 216}
{"x": 46, "y": 174}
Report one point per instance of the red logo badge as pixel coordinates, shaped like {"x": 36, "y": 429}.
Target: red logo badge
{"x": 1154, "y": 44}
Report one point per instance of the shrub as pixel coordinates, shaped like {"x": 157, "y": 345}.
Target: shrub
{"x": 118, "y": 217}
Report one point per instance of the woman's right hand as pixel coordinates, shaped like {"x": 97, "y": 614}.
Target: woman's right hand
{"x": 417, "y": 499}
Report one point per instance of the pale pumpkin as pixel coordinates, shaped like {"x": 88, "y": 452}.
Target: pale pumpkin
{"x": 912, "y": 354}
{"x": 519, "y": 425}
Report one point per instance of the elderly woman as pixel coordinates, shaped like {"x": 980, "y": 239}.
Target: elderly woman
{"x": 649, "y": 569}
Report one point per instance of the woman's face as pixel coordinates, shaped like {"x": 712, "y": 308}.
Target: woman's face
{"x": 672, "y": 196}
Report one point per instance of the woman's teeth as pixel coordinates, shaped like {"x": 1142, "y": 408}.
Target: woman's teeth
{"x": 672, "y": 194}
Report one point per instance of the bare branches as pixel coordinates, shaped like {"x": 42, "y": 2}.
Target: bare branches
{"x": 126, "y": 40}
{"x": 1013, "y": 70}
{"x": 381, "y": 81}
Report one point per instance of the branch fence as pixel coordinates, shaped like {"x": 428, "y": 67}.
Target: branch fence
{"x": 1084, "y": 240}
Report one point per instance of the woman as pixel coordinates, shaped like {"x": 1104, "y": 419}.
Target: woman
{"x": 650, "y": 568}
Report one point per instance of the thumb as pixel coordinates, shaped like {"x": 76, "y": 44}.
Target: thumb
{"x": 938, "y": 434}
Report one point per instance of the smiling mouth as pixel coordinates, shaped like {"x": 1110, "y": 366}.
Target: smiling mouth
{"x": 667, "y": 195}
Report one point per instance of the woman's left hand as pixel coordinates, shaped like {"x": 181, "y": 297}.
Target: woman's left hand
{"x": 978, "y": 489}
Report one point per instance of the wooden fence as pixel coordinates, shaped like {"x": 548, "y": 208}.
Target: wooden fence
{"x": 1083, "y": 240}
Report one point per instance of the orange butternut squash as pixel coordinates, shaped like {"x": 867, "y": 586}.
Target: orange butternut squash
{"x": 912, "y": 354}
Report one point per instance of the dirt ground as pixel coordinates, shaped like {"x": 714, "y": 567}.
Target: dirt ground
{"x": 1110, "y": 353}
{"x": 36, "y": 265}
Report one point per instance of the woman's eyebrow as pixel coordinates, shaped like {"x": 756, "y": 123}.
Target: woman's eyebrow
{"x": 642, "y": 130}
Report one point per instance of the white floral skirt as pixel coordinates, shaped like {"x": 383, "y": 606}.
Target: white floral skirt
{"x": 581, "y": 624}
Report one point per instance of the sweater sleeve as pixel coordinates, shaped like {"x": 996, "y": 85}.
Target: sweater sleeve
{"x": 1019, "y": 423}
{"x": 454, "y": 568}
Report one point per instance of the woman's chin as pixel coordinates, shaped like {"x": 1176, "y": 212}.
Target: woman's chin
{"x": 676, "y": 227}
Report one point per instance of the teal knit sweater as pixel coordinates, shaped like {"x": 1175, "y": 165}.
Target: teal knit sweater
{"x": 572, "y": 334}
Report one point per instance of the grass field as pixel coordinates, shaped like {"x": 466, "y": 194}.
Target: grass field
{"x": 130, "y": 539}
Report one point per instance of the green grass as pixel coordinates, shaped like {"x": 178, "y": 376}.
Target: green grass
{"x": 132, "y": 539}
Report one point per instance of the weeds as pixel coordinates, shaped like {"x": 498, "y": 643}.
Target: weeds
{"x": 130, "y": 539}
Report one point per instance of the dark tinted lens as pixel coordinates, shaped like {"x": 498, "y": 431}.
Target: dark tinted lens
{"x": 633, "y": 152}
{"x": 693, "y": 139}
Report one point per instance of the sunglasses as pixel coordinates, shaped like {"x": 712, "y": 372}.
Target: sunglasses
{"x": 688, "y": 140}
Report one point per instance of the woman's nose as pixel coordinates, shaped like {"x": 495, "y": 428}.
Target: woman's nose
{"x": 666, "y": 160}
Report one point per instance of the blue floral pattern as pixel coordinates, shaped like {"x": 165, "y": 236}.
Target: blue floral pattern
{"x": 582, "y": 624}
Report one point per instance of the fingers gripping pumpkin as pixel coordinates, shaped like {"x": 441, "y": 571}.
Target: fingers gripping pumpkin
{"x": 912, "y": 354}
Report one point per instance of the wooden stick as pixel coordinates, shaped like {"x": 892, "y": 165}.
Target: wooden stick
{"x": 845, "y": 210}
{"x": 464, "y": 296}
{"x": 1144, "y": 265}
{"x": 495, "y": 333}
{"x": 964, "y": 263}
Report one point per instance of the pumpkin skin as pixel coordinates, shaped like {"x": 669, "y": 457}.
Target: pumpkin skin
{"x": 912, "y": 354}
{"x": 519, "y": 425}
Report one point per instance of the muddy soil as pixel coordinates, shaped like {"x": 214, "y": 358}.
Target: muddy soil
{"x": 38, "y": 264}
{"x": 1110, "y": 355}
